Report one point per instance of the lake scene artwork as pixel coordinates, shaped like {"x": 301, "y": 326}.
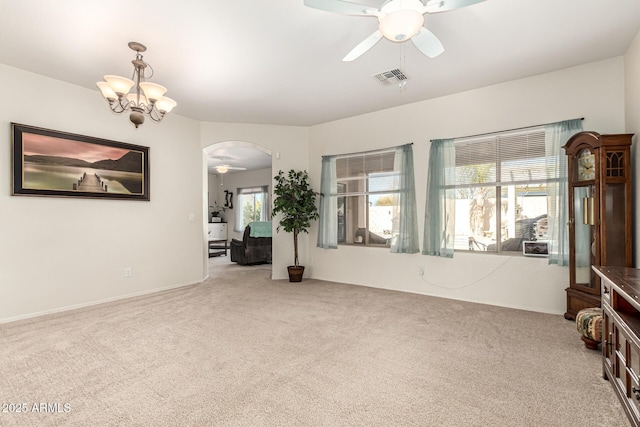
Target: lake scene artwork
{"x": 59, "y": 165}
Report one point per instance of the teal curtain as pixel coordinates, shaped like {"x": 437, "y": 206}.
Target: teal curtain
{"x": 405, "y": 213}
{"x": 265, "y": 214}
{"x": 556, "y": 136}
{"x": 439, "y": 220}
{"x": 328, "y": 220}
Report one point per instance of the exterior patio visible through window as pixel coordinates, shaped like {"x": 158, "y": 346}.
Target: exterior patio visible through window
{"x": 500, "y": 191}
{"x": 366, "y": 198}
{"x": 252, "y": 205}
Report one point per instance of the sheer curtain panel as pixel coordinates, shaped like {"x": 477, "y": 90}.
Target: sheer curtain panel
{"x": 439, "y": 221}
{"x": 405, "y": 215}
{"x": 328, "y": 221}
{"x": 556, "y": 135}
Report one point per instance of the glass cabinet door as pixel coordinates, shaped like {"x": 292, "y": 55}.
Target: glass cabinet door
{"x": 584, "y": 229}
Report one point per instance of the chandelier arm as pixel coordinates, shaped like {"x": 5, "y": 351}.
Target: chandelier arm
{"x": 117, "y": 106}
{"x": 155, "y": 115}
{"x": 149, "y": 108}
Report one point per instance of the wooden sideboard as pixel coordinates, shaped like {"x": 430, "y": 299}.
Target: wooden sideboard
{"x": 620, "y": 335}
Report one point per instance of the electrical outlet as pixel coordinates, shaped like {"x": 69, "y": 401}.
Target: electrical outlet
{"x": 128, "y": 272}
{"x": 421, "y": 271}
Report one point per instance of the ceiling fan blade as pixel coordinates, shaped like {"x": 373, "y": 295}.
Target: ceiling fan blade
{"x": 434, "y": 6}
{"x": 363, "y": 46}
{"x": 428, "y": 43}
{"x": 340, "y": 6}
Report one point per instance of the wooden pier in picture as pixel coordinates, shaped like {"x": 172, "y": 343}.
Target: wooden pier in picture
{"x": 90, "y": 184}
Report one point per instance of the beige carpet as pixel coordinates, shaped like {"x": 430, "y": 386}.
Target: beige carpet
{"x": 242, "y": 350}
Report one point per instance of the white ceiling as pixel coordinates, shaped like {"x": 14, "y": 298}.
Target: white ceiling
{"x": 279, "y": 62}
{"x": 236, "y": 154}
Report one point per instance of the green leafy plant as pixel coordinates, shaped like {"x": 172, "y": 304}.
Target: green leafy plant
{"x": 217, "y": 209}
{"x": 296, "y": 201}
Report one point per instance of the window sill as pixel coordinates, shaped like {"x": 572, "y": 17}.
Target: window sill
{"x": 364, "y": 246}
{"x": 513, "y": 254}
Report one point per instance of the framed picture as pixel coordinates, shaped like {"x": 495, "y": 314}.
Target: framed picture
{"x": 535, "y": 248}
{"x": 228, "y": 199}
{"x": 51, "y": 163}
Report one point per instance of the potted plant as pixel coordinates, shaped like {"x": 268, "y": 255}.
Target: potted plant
{"x": 216, "y": 211}
{"x": 296, "y": 201}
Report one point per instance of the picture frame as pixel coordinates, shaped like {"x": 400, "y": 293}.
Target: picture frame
{"x": 228, "y": 199}
{"x": 535, "y": 248}
{"x": 52, "y": 163}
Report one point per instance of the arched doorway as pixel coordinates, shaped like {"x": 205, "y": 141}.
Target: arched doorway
{"x": 233, "y": 166}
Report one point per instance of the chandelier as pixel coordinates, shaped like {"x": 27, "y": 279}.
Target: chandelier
{"x": 146, "y": 98}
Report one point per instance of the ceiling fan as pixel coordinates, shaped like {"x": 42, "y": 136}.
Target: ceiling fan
{"x": 224, "y": 167}
{"x": 400, "y": 20}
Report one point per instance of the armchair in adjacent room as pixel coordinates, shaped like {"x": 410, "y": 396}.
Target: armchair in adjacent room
{"x": 255, "y": 246}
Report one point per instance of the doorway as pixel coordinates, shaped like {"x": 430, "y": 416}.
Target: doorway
{"x": 231, "y": 167}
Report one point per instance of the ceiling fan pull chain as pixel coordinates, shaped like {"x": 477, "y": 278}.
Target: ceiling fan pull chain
{"x": 402, "y": 84}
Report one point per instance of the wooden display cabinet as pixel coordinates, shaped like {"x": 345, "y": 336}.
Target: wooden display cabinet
{"x": 599, "y": 192}
{"x": 620, "y": 335}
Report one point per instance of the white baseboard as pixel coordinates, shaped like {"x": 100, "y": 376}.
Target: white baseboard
{"x": 92, "y": 303}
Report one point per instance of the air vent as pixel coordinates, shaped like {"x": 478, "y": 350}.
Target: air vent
{"x": 391, "y": 77}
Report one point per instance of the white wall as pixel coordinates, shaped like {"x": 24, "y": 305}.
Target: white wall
{"x": 632, "y": 109}
{"x": 289, "y": 149}
{"x": 57, "y": 253}
{"x": 593, "y": 91}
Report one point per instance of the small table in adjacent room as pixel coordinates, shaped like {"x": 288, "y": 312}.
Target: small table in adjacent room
{"x": 217, "y": 239}
{"x": 217, "y": 247}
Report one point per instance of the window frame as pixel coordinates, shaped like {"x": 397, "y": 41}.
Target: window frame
{"x": 345, "y": 228}
{"x": 498, "y": 183}
{"x": 239, "y": 225}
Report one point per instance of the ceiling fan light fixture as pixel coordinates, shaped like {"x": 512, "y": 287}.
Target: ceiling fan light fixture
{"x": 222, "y": 169}
{"x": 401, "y": 25}
{"x": 399, "y": 21}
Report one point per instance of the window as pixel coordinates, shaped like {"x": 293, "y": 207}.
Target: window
{"x": 500, "y": 191}
{"x": 367, "y": 199}
{"x": 252, "y": 205}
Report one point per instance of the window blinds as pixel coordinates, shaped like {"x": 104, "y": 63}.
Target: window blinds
{"x": 502, "y": 158}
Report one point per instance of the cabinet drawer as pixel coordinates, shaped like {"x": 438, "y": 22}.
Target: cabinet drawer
{"x": 608, "y": 328}
{"x": 217, "y": 231}
{"x": 633, "y": 362}
{"x": 634, "y": 397}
